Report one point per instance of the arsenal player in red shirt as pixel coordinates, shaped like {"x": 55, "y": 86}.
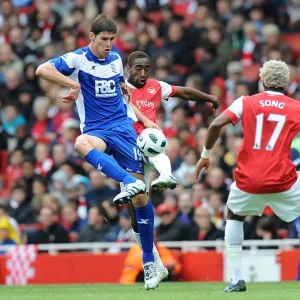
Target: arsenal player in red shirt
{"x": 147, "y": 94}
{"x": 265, "y": 174}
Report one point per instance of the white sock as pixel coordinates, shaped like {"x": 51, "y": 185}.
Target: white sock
{"x": 162, "y": 164}
{"x": 234, "y": 236}
{"x": 157, "y": 259}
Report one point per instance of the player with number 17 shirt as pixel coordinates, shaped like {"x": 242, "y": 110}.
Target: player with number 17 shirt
{"x": 265, "y": 174}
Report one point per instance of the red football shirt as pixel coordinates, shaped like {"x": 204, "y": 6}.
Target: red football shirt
{"x": 270, "y": 120}
{"x": 147, "y": 98}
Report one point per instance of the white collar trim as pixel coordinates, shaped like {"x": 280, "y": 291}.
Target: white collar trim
{"x": 273, "y": 93}
{"x": 129, "y": 84}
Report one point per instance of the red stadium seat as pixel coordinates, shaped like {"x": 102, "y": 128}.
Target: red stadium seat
{"x": 251, "y": 72}
{"x": 3, "y": 161}
{"x": 294, "y": 41}
{"x": 155, "y": 17}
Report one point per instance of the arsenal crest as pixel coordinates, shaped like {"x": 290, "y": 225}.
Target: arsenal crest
{"x": 151, "y": 90}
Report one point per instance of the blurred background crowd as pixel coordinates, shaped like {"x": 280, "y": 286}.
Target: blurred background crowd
{"x": 48, "y": 194}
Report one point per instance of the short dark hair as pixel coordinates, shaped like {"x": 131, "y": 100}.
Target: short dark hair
{"x": 103, "y": 23}
{"x": 134, "y": 55}
{"x": 100, "y": 210}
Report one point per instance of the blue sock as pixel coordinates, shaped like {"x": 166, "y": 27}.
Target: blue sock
{"x": 107, "y": 165}
{"x": 145, "y": 222}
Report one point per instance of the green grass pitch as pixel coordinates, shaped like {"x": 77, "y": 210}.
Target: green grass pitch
{"x": 166, "y": 291}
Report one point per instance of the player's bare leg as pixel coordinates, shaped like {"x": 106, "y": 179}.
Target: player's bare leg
{"x": 92, "y": 148}
{"x": 234, "y": 237}
{"x": 162, "y": 164}
{"x": 161, "y": 270}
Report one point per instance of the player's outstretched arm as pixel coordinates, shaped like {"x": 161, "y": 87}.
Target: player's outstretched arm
{"x": 213, "y": 134}
{"x": 187, "y": 93}
{"x": 48, "y": 72}
{"x": 143, "y": 119}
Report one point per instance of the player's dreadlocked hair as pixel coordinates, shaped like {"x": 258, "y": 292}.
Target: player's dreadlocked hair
{"x": 134, "y": 55}
{"x": 103, "y": 23}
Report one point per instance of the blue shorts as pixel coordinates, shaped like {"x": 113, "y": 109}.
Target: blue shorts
{"x": 121, "y": 144}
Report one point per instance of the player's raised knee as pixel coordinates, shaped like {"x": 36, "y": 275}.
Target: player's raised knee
{"x": 82, "y": 144}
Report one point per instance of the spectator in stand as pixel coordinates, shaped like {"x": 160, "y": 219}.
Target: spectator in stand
{"x": 39, "y": 189}
{"x": 19, "y": 207}
{"x": 70, "y": 131}
{"x": 42, "y": 128}
{"x": 52, "y": 201}
{"x": 175, "y": 45}
{"x": 14, "y": 169}
{"x": 8, "y": 234}
{"x": 99, "y": 189}
{"x": 11, "y": 119}
{"x": 9, "y": 61}
{"x": 46, "y": 20}
{"x": 23, "y": 141}
{"x": 31, "y": 81}
{"x": 58, "y": 185}
{"x": 177, "y": 119}
{"x": 44, "y": 162}
{"x": 50, "y": 232}
{"x": 184, "y": 173}
{"x": 217, "y": 208}
{"x": 28, "y": 170}
{"x": 205, "y": 230}
{"x": 235, "y": 32}
{"x": 173, "y": 152}
{"x": 199, "y": 194}
{"x": 125, "y": 233}
{"x": 186, "y": 209}
{"x": 11, "y": 91}
{"x": 224, "y": 11}
{"x": 17, "y": 41}
{"x": 170, "y": 228}
{"x": 186, "y": 137}
{"x": 71, "y": 221}
{"x": 4, "y": 212}
{"x": 60, "y": 157}
{"x": 216, "y": 180}
{"x": 272, "y": 39}
{"x": 64, "y": 113}
{"x": 96, "y": 230}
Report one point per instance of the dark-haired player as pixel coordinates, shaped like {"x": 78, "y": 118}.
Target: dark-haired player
{"x": 95, "y": 77}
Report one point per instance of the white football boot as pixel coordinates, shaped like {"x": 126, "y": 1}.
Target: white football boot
{"x": 151, "y": 278}
{"x": 161, "y": 271}
{"x": 129, "y": 191}
{"x": 164, "y": 182}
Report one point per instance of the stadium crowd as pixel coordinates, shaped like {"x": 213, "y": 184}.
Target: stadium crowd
{"x": 49, "y": 195}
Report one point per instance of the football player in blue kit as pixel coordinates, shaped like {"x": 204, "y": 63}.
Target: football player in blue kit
{"x": 95, "y": 77}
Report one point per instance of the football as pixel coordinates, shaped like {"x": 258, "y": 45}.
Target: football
{"x": 151, "y": 142}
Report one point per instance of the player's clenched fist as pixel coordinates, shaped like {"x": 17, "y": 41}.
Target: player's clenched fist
{"x": 215, "y": 102}
{"x": 202, "y": 163}
{"x": 72, "y": 96}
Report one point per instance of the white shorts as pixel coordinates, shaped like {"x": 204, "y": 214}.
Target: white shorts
{"x": 286, "y": 205}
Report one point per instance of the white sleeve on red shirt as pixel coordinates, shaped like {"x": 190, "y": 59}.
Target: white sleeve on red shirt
{"x": 235, "y": 110}
{"x": 167, "y": 90}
